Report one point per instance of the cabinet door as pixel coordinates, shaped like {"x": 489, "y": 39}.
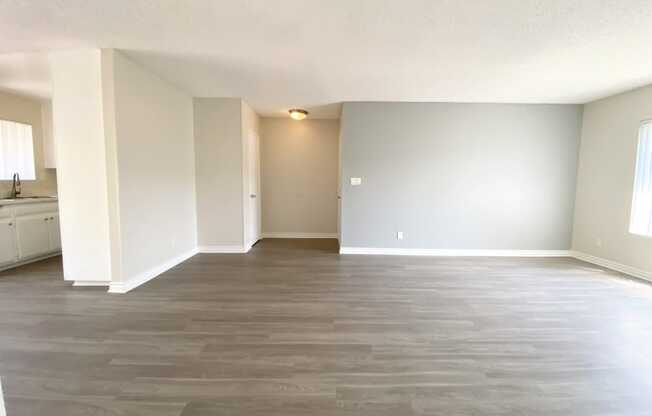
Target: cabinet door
{"x": 33, "y": 235}
{"x": 55, "y": 233}
{"x": 7, "y": 241}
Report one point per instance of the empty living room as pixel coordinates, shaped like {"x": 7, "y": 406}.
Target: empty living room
{"x": 325, "y": 207}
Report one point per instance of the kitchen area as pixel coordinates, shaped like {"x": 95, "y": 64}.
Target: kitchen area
{"x": 29, "y": 213}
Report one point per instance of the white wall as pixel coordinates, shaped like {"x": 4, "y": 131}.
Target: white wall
{"x": 124, "y": 144}
{"x": 49, "y": 159}
{"x": 82, "y": 169}
{"x": 299, "y": 176}
{"x": 219, "y": 170}
{"x": 606, "y": 180}
{"x": 28, "y": 110}
{"x": 459, "y": 176}
{"x": 155, "y": 168}
{"x": 221, "y": 129}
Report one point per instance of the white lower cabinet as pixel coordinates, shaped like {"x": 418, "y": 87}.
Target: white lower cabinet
{"x": 28, "y": 232}
{"x": 33, "y": 235}
{"x": 54, "y": 232}
{"x": 8, "y": 253}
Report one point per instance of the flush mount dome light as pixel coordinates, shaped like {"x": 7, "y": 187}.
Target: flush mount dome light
{"x": 298, "y": 113}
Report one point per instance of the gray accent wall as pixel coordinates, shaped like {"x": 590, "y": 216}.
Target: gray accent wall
{"x": 459, "y": 176}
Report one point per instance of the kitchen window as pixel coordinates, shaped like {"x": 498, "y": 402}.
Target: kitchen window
{"x": 641, "y": 220}
{"x": 16, "y": 151}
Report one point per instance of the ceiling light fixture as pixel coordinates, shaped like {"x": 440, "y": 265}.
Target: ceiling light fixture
{"x": 298, "y": 113}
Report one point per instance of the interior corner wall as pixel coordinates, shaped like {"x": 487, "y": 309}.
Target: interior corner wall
{"x": 605, "y": 185}
{"x": 250, "y": 120}
{"x": 459, "y": 176}
{"x": 219, "y": 157}
{"x": 299, "y": 166}
{"x": 81, "y": 171}
{"x": 111, "y": 148}
{"x": 155, "y": 168}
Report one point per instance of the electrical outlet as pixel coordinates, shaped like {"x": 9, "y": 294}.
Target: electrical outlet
{"x": 598, "y": 242}
{"x": 399, "y": 235}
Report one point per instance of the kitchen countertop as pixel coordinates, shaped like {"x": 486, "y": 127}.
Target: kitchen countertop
{"x": 28, "y": 200}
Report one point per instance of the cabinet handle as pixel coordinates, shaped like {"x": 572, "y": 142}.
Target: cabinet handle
{"x": 10, "y": 224}
{"x": 46, "y": 219}
{"x": 52, "y": 218}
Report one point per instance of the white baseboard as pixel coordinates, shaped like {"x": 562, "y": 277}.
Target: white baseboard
{"x": 454, "y": 253}
{"x": 134, "y": 282}
{"x": 223, "y": 249}
{"x": 299, "y": 235}
{"x": 612, "y": 265}
{"x": 82, "y": 283}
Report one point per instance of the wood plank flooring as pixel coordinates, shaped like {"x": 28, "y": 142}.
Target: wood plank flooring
{"x": 292, "y": 328}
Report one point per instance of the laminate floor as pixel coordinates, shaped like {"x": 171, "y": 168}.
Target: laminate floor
{"x": 292, "y": 328}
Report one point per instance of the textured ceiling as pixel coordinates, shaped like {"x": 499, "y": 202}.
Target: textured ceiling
{"x": 315, "y": 53}
{"x": 26, "y": 73}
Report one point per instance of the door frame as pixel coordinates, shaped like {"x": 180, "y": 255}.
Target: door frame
{"x": 251, "y": 161}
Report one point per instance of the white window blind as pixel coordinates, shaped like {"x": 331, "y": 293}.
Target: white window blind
{"x": 16, "y": 150}
{"x": 641, "y": 221}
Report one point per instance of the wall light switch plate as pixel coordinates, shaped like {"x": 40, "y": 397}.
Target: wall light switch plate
{"x": 399, "y": 235}
{"x": 356, "y": 181}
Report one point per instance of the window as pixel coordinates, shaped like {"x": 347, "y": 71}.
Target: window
{"x": 641, "y": 222}
{"x": 16, "y": 150}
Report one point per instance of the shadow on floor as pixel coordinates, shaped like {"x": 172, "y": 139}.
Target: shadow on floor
{"x": 324, "y": 245}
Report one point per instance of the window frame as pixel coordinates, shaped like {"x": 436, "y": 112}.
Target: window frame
{"x": 639, "y": 141}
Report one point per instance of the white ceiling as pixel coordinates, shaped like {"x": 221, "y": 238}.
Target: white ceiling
{"x": 317, "y": 53}
{"x": 26, "y": 73}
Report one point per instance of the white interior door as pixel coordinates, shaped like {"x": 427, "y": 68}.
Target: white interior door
{"x": 253, "y": 178}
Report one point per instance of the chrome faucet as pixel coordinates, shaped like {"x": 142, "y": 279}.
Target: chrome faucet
{"x": 15, "y": 186}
